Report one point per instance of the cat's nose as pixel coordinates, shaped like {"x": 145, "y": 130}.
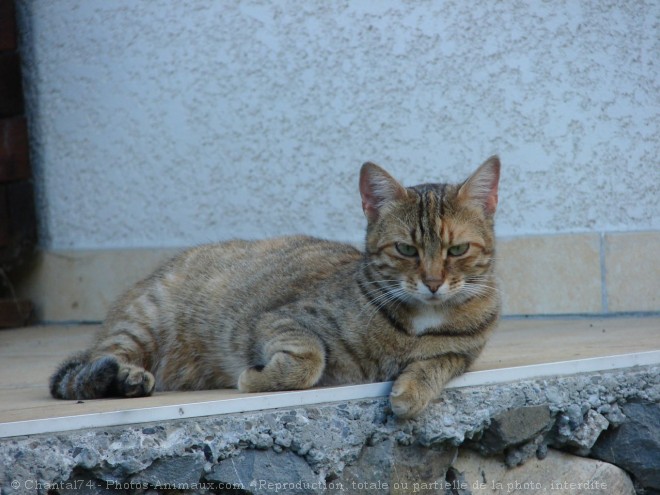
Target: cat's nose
{"x": 433, "y": 284}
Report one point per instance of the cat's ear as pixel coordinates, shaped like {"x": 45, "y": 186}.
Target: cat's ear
{"x": 481, "y": 186}
{"x": 377, "y": 189}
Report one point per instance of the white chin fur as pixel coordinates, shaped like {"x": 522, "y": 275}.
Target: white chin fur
{"x": 427, "y": 318}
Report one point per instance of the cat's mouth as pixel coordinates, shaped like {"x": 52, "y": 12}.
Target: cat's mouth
{"x": 432, "y": 296}
{"x": 433, "y": 299}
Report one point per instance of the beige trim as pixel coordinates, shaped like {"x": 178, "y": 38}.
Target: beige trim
{"x": 81, "y": 285}
{"x": 539, "y": 275}
{"x": 632, "y": 262}
{"x": 548, "y": 275}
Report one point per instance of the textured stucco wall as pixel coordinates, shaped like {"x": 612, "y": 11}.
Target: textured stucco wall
{"x": 161, "y": 123}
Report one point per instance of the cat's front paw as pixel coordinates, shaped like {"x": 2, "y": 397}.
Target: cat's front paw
{"x": 409, "y": 397}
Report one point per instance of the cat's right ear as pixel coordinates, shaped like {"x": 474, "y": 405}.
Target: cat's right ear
{"x": 377, "y": 188}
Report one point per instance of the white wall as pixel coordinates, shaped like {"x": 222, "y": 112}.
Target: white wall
{"x": 170, "y": 123}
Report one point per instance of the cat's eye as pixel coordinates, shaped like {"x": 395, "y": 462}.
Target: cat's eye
{"x": 458, "y": 249}
{"x": 406, "y": 249}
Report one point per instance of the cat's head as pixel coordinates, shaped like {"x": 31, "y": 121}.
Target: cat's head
{"x": 431, "y": 243}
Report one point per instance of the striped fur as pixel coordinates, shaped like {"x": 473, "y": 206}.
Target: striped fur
{"x": 298, "y": 312}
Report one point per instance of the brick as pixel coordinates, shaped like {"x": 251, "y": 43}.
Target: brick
{"x": 11, "y": 88}
{"x": 14, "y": 160}
{"x": 7, "y": 26}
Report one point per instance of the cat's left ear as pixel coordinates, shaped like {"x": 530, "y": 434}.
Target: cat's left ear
{"x": 481, "y": 186}
{"x": 377, "y": 188}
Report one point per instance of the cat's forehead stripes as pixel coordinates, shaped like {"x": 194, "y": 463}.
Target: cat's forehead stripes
{"x": 430, "y": 209}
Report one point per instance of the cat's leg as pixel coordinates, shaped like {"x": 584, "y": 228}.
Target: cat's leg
{"x": 82, "y": 377}
{"x": 113, "y": 368}
{"x": 293, "y": 359}
{"x": 422, "y": 381}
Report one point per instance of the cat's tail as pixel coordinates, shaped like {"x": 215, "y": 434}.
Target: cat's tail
{"x": 78, "y": 377}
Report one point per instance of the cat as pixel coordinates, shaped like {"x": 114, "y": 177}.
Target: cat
{"x": 416, "y": 307}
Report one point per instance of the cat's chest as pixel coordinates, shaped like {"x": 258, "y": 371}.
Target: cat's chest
{"x": 426, "y": 318}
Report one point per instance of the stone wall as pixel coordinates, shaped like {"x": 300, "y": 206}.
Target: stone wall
{"x": 537, "y": 436}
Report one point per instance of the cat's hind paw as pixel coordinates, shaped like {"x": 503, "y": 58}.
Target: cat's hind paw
{"x": 82, "y": 379}
{"x": 133, "y": 381}
{"x": 252, "y": 380}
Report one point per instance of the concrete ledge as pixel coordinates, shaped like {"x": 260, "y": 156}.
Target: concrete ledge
{"x": 332, "y": 448}
{"x": 539, "y": 385}
{"x": 540, "y": 275}
{"x": 301, "y": 398}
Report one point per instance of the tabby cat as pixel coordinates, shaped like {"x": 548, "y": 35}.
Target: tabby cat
{"x": 415, "y": 307}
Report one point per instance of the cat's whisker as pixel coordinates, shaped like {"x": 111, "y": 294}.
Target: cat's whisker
{"x": 380, "y": 281}
{"x": 480, "y": 278}
{"x": 374, "y": 308}
{"x": 379, "y": 290}
{"x": 393, "y": 294}
{"x": 374, "y": 262}
{"x": 483, "y": 280}
{"x": 384, "y": 300}
{"x": 473, "y": 289}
